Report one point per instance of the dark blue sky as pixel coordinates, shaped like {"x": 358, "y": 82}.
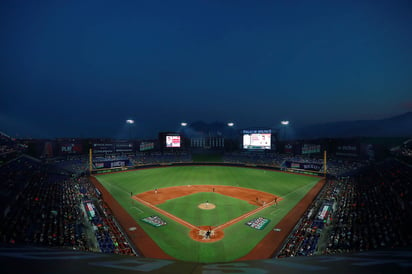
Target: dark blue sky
{"x": 80, "y": 68}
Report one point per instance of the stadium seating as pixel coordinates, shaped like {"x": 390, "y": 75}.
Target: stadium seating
{"x": 373, "y": 212}
{"x": 368, "y": 203}
{"x": 43, "y": 207}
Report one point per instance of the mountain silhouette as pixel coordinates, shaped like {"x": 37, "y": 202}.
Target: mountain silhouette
{"x": 396, "y": 126}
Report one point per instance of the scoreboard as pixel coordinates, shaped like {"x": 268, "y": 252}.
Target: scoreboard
{"x": 103, "y": 148}
{"x": 172, "y": 141}
{"x": 112, "y": 148}
{"x": 257, "y": 139}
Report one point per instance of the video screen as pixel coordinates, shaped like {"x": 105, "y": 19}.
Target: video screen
{"x": 257, "y": 139}
{"x": 172, "y": 141}
{"x": 146, "y": 146}
{"x": 310, "y": 148}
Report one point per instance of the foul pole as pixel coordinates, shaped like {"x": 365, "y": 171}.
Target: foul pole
{"x": 90, "y": 161}
{"x": 324, "y": 163}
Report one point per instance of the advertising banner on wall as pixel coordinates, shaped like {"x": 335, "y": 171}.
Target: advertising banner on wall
{"x": 305, "y": 166}
{"x": 70, "y": 148}
{"x": 347, "y": 150}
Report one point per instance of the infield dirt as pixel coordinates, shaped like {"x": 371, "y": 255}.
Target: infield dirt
{"x": 265, "y": 249}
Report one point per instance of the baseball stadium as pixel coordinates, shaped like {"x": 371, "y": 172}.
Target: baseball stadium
{"x": 183, "y": 204}
{"x": 206, "y": 137}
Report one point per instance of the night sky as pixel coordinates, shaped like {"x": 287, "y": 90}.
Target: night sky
{"x": 81, "y": 68}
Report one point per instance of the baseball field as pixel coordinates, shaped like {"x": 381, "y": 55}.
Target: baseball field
{"x": 206, "y": 214}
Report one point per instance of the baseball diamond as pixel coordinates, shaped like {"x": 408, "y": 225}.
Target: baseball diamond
{"x": 214, "y": 235}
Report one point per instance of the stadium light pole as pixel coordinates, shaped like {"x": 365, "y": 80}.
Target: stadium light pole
{"x": 182, "y": 132}
{"x": 284, "y": 124}
{"x": 228, "y": 142}
{"x": 130, "y": 122}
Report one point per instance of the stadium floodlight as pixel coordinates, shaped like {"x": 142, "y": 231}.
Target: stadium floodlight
{"x": 284, "y": 123}
{"x": 129, "y": 121}
{"x": 183, "y": 124}
{"x": 230, "y": 124}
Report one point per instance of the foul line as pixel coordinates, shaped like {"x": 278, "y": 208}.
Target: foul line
{"x": 138, "y": 209}
{"x": 299, "y": 189}
{"x": 244, "y": 216}
{"x": 171, "y": 216}
{"x": 119, "y": 188}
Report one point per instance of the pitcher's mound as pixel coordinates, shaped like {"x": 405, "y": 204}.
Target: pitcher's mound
{"x": 206, "y": 206}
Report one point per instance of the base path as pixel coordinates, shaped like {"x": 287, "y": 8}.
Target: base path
{"x": 165, "y": 213}
{"x": 244, "y": 216}
{"x": 252, "y": 196}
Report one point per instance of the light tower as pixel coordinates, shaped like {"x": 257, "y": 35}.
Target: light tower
{"x": 130, "y": 122}
{"x": 284, "y": 124}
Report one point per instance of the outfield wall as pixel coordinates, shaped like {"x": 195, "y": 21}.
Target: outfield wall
{"x": 275, "y": 168}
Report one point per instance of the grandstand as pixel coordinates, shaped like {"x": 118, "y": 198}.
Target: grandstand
{"x": 365, "y": 204}
{"x": 45, "y": 207}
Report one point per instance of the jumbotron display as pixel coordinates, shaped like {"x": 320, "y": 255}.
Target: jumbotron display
{"x": 257, "y": 139}
{"x": 172, "y": 141}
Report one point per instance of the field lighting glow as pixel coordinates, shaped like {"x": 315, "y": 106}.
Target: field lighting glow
{"x": 183, "y": 124}
{"x": 129, "y": 121}
{"x": 285, "y": 123}
{"x": 230, "y": 124}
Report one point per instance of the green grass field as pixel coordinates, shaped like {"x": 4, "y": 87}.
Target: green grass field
{"x": 227, "y": 208}
{"x": 174, "y": 238}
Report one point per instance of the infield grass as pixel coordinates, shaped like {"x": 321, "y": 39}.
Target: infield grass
{"x": 227, "y": 208}
{"x": 239, "y": 239}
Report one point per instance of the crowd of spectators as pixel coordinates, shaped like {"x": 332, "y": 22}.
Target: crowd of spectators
{"x": 304, "y": 239}
{"x": 42, "y": 206}
{"x": 261, "y": 158}
{"x": 109, "y": 234}
{"x": 375, "y": 211}
{"x": 78, "y": 164}
{"x": 144, "y": 158}
{"x": 39, "y": 209}
{"x": 345, "y": 167}
{"x": 335, "y": 166}
{"x": 369, "y": 210}
{"x": 110, "y": 157}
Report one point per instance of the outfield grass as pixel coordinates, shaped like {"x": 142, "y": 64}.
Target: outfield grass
{"x": 207, "y": 158}
{"x": 239, "y": 239}
{"x": 227, "y": 208}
